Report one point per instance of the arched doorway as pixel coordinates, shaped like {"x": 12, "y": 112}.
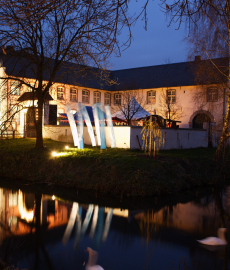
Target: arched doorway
{"x": 199, "y": 119}
{"x": 198, "y": 123}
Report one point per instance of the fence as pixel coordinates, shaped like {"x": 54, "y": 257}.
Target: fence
{"x": 10, "y": 134}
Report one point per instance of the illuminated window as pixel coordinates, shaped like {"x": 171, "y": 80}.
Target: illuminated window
{"x": 151, "y": 97}
{"x": 117, "y": 99}
{"x": 107, "y": 99}
{"x": 97, "y": 97}
{"x": 85, "y": 96}
{"x": 212, "y": 94}
{"x": 15, "y": 88}
{"x": 73, "y": 94}
{"x": 60, "y": 93}
{"x": 171, "y": 96}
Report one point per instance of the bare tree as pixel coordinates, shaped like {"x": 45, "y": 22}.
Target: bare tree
{"x": 129, "y": 103}
{"x": 210, "y": 22}
{"x": 170, "y": 107}
{"x": 9, "y": 108}
{"x": 58, "y": 39}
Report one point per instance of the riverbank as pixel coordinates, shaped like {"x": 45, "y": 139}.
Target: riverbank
{"x": 115, "y": 172}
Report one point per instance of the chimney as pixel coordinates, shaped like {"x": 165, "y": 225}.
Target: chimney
{"x": 197, "y": 58}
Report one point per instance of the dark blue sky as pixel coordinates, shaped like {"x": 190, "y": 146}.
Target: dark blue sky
{"x": 158, "y": 45}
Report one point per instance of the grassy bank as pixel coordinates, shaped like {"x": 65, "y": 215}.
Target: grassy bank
{"x": 113, "y": 171}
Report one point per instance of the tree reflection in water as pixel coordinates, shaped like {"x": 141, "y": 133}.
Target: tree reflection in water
{"x": 39, "y": 245}
{"x": 35, "y": 227}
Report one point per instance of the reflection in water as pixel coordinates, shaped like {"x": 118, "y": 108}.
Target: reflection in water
{"x": 71, "y": 222}
{"x": 76, "y": 215}
{"x": 26, "y": 214}
{"x": 52, "y": 234}
{"x": 94, "y": 222}
{"x": 107, "y": 224}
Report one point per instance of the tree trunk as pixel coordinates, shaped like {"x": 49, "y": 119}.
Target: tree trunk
{"x": 39, "y": 137}
{"x": 224, "y": 135}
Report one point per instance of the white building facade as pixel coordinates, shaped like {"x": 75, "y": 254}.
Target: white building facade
{"x": 162, "y": 90}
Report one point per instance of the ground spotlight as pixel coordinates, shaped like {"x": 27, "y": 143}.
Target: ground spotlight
{"x": 67, "y": 147}
{"x": 54, "y": 154}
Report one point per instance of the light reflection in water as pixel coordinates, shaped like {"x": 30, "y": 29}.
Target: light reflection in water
{"x": 169, "y": 231}
{"x": 28, "y": 215}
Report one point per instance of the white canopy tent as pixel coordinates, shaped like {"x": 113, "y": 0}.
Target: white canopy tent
{"x": 132, "y": 110}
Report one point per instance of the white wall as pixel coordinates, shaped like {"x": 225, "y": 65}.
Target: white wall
{"x": 126, "y": 137}
{"x": 174, "y": 138}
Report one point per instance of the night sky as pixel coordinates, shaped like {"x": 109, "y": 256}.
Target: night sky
{"x": 158, "y": 45}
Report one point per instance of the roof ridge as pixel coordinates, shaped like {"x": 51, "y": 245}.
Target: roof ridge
{"x": 185, "y": 62}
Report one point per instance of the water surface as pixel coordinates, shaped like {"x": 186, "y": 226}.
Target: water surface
{"x": 46, "y": 232}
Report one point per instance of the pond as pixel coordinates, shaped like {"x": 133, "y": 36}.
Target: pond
{"x": 40, "y": 231}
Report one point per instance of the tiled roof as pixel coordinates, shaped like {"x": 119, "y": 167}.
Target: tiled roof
{"x": 168, "y": 75}
{"x": 69, "y": 73}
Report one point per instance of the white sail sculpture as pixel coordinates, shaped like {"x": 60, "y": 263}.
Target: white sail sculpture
{"x": 89, "y": 125}
{"x": 99, "y": 121}
{"x": 102, "y": 125}
{"x": 72, "y": 124}
{"x": 80, "y": 126}
{"x": 96, "y": 122}
{"x": 110, "y": 125}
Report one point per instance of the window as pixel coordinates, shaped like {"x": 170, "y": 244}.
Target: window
{"x": 85, "y": 96}
{"x": 107, "y": 99}
{"x": 151, "y": 97}
{"x": 117, "y": 99}
{"x": 171, "y": 96}
{"x": 97, "y": 97}
{"x": 212, "y": 94}
{"x": 15, "y": 88}
{"x": 73, "y": 94}
{"x": 60, "y": 92}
